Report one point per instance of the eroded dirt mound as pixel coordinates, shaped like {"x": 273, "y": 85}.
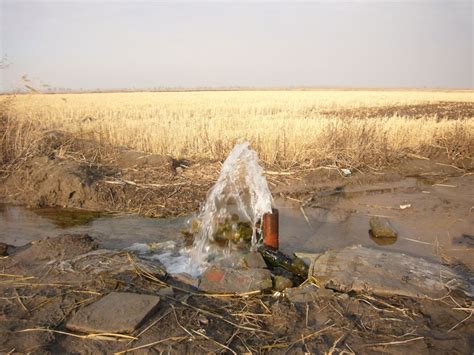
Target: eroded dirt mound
{"x": 82, "y": 174}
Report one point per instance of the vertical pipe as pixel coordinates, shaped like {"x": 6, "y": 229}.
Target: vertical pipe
{"x": 270, "y": 229}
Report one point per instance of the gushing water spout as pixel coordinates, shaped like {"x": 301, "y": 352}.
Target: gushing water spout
{"x": 241, "y": 194}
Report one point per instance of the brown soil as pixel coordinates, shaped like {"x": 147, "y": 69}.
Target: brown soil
{"x": 84, "y": 174}
{"x": 77, "y": 173}
{"x": 38, "y": 297}
{"x": 442, "y": 110}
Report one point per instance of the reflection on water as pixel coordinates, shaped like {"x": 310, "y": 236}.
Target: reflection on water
{"x": 66, "y": 218}
{"x": 340, "y": 223}
{"x": 382, "y": 240}
{"x": 19, "y": 225}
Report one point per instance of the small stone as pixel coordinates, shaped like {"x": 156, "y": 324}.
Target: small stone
{"x": 254, "y": 260}
{"x": 203, "y": 320}
{"x": 343, "y": 297}
{"x": 324, "y": 292}
{"x": 304, "y": 294}
{"x": 282, "y": 283}
{"x": 218, "y": 279}
{"x": 3, "y": 249}
{"x": 381, "y": 228}
{"x": 186, "y": 279}
{"x": 166, "y": 291}
{"x": 118, "y": 312}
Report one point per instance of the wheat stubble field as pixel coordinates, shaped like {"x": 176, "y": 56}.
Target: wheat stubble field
{"x": 350, "y": 128}
{"x": 156, "y": 154}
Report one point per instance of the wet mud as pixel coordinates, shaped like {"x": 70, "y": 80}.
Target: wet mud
{"x": 430, "y": 202}
{"x": 42, "y": 287}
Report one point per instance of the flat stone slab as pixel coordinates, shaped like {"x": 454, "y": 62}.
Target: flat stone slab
{"x": 218, "y": 279}
{"x": 118, "y": 312}
{"x": 384, "y": 273}
{"x": 103, "y": 261}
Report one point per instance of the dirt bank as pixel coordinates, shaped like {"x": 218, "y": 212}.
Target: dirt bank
{"x": 42, "y": 287}
{"x": 76, "y": 173}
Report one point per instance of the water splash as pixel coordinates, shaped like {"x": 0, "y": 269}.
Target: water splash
{"x": 240, "y": 193}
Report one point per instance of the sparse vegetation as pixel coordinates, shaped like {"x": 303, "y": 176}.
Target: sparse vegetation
{"x": 287, "y": 128}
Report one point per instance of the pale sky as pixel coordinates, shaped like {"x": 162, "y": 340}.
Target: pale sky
{"x": 152, "y": 44}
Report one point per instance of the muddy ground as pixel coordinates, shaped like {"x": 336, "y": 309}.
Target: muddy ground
{"x": 40, "y": 292}
{"x": 38, "y": 296}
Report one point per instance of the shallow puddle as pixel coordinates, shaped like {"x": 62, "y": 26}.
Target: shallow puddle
{"x": 20, "y": 225}
{"x": 436, "y": 222}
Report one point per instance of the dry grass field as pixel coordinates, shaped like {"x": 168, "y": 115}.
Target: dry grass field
{"x": 287, "y": 128}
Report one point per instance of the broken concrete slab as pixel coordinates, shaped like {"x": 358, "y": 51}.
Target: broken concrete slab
{"x": 118, "y": 312}
{"x": 217, "y": 279}
{"x": 384, "y": 273}
{"x": 382, "y": 228}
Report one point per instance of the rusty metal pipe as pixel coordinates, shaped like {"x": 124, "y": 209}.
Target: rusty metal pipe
{"x": 270, "y": 229}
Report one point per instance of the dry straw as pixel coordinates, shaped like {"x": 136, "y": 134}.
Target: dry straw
{"x": 287, "y": 128}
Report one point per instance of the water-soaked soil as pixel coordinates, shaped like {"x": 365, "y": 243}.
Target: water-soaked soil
{"x": 430, "y": 202}
{"x": 40, "y": 292}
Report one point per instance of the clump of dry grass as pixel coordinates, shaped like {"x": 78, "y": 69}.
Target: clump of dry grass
{"x": 287, "y": 128}
{"x": 19, "y": 139}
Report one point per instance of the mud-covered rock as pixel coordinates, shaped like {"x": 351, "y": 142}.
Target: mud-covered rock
{"x": 382, "y": 228}
{"x": 384, "y": 273}
{"x": 63, "y": 247}
{"x": 3, "y": 249}
{"x": 281, "y": 283}
{"x": 302, "y": 294}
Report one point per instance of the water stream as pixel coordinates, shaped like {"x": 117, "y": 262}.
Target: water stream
{"x": 438, "y": 217}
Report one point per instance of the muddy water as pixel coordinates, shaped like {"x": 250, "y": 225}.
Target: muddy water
{"x": 436, "y": 218}
{"x": 439, "y": 221}
{"x": 19, "y": 225}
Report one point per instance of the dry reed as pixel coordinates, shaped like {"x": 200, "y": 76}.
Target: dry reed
{"x": 287, "y": 128}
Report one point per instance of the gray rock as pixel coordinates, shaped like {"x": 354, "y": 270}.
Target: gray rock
{"x": 254, "y": 260}
{"x": 282, "y": 283}
{"x": 251, "y": 260}
{"x": 186, "y": 279}
{"x": 218, "y": 279}
{"x": 384, "y": 273}
{"x": 381, "y": 228}
{"x": 115, "y": 313}
{"x": 166, "y": 291}
{"x": 303, "y": 294}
